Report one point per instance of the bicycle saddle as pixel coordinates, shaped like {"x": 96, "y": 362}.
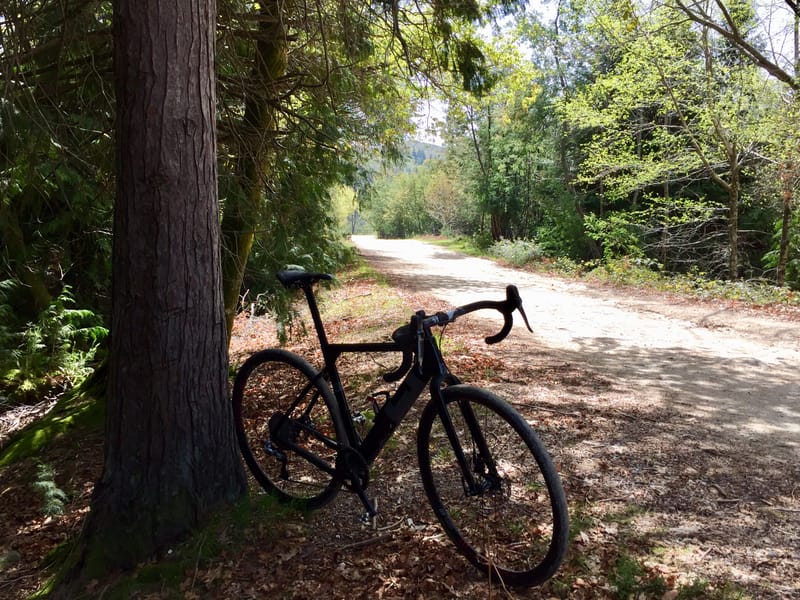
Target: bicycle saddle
{"x": 298, "y": 278}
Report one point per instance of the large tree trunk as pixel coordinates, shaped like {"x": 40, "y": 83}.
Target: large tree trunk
{"x": 170, "y": 455}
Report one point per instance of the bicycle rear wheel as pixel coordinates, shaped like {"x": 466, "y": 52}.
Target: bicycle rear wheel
{"x": 287, "y": 428}
{"x": 512, "y": 522}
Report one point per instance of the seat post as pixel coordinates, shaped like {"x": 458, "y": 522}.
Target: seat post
{"x": 315, "y": 316}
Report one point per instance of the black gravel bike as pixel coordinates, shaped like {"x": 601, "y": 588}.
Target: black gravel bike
{"x": 489, "y": 479}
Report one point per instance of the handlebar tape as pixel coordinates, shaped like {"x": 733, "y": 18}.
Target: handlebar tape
{"x": 501, "y": 335}
{"x": 398, "y": 374}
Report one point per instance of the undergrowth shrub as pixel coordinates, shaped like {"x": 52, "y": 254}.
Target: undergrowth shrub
{"x": 53, "y": 497}
{"x": 646, "y": 273}
{"x": 629, "y": 271}
{"x": 568, "y": 267}
{"x": 482, "y": 240}
{"x": 516, "y": 252}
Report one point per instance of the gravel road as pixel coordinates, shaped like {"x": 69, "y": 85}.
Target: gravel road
{"x": 734, "y": 370}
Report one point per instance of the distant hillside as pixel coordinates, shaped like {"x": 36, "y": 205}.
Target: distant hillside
{"x": 419, "y": 152}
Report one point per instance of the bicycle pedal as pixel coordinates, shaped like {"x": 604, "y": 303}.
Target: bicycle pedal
{"x": 370, "y": 516}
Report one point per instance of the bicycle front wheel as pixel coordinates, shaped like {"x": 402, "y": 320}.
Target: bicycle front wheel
{"x": 286, "y": 427}
{"x": 493, "y": 486}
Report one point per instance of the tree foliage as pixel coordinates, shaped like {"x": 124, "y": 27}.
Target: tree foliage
{"x": 305, "y": 93}
{"x": 635, "y": 131}
{"x": 679, "y": 121}
{"x": 674, "y": 111}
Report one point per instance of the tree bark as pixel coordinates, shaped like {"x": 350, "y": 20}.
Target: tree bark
{"x": 170, "y": 454}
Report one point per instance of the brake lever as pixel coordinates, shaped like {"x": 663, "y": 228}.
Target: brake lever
{"x": 512, "y": 296}
{"x": 418, "y": 334}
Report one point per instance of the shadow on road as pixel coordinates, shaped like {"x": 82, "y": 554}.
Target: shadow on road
{"x": 721, "y": 391}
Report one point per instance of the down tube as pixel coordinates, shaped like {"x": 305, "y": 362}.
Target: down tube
{"x": 392, "y": 414}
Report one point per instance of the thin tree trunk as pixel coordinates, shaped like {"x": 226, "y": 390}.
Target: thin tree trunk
{"x": 17, "y": 249}
{"x": 733, "y": 187}
{"x": 787, "y": 180}
{"x": 170, "y": 453}
{"x": 242, "y": 213}
{"x": 733, "y": 234}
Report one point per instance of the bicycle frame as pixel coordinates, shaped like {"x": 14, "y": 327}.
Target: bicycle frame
{"x": 430, "y": 371}
{"x": 394, "y": 409}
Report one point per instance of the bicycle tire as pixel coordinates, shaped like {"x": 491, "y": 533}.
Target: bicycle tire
{"x": 514, "y": 529}
{"x": 278, "y": 396}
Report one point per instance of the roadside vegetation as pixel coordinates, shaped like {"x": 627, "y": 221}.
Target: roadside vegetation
{"x": 627, "y": 272}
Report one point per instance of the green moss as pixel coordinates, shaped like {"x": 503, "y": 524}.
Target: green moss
{"x": 78, "y": 410}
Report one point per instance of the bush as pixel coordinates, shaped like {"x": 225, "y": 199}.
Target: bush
{"x": 482, "y": 240}
{"x": 629, "y": 271}
{"x": 618, "y": 236}
{"x": 516, "y": 252}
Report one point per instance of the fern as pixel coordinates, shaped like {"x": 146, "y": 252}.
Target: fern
{"x": 54, "y": 351}
{"x": 53, "y": 497}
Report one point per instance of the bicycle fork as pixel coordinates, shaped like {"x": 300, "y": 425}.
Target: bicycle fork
{"x": 481, "y": 462}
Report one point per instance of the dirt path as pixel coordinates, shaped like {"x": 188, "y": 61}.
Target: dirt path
{"x": 734, "y": 371}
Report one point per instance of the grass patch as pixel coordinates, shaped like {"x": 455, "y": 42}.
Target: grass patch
{"x": 626, "y": 515}
{"x": 379, "y": 310}
{"x": 461, "y": 244}
{"x": 631, "y": 579}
